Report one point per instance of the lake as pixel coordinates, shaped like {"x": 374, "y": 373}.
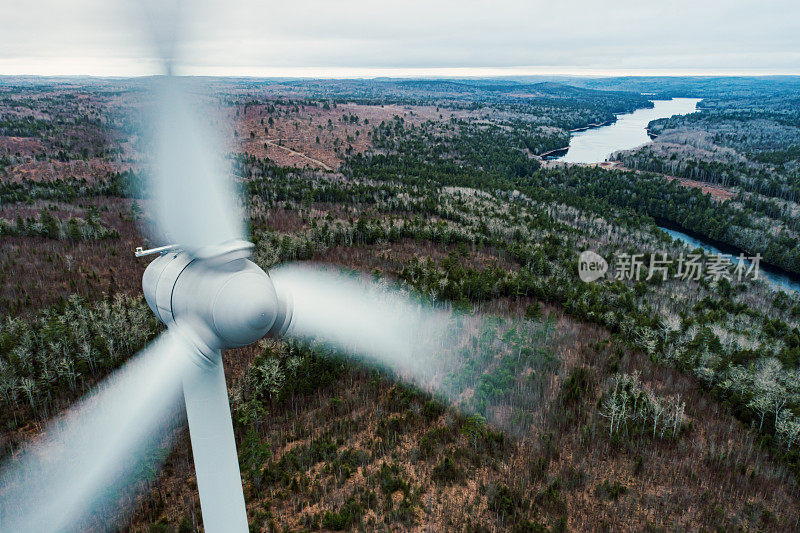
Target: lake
{"x": 595, "y": 145}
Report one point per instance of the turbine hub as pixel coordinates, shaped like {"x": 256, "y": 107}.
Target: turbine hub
{"x": 221, "y": 303}
{"x": 245, "y": 307}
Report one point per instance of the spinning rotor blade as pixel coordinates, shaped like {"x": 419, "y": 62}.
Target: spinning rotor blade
{"x": 196, "y": 203}
{"x": 101, "y": 446}
{"x": 161, "y": 19}
{"x": 355, "y": 315}
{"x": 196, "y": 200}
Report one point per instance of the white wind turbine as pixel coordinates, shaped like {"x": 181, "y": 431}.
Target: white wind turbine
{"x": 211, "y": 297}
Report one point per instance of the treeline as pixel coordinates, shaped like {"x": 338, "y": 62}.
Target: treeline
{"x": 778, "y": 157}
{"x": 23, "y": 127}
{"x": 473, "y": 158}
{"x": 747, "y": 176}
{"x": 117, "y": 184}
{"x": 470, "y": 160}
{"x": 656, "y": 197}
{"x": 49, "y": 226}
{"x": 54, "y": 357}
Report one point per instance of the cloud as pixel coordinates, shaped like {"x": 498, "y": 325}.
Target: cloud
{"x": 318, "y": 37}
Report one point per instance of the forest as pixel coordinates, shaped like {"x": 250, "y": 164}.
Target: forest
{"x": 635, "y": 404}
{"x": 487, "y": 158}
{"x": 750, "y": 143}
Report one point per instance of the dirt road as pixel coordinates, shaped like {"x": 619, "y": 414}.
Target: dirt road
{"x": 272, "y": 142}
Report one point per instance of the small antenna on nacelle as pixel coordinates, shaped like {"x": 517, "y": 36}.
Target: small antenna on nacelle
{"x": 140, "y": 252}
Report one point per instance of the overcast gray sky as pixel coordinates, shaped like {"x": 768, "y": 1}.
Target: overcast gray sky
{"x": 450, "y": 38}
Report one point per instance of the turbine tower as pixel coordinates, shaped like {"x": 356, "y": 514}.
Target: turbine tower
{"x": 211, "y": 297}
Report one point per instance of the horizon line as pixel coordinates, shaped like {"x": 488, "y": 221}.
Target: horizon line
{"x": 394, "y": 72}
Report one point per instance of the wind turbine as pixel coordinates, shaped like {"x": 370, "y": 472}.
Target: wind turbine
{"x": 211, "y": 298}
{"x": 207, "y": 290}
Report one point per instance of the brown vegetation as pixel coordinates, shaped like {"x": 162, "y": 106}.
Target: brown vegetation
{"x": 288, "y": 134}
{"x": 383, "y": 452}
{"x": 566, "y": 472}
{"x": 37, "y": 271}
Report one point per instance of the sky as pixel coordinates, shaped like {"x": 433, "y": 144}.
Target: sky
{"x": 349, "y": 38}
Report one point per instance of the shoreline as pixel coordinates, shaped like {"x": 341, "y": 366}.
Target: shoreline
{"x": 564, "y": 149}
{"x": 726, "y": 248}
{"x": 551, "y": 152}
{"x": 595, "y": 125}
{"x": 559, "y": 152}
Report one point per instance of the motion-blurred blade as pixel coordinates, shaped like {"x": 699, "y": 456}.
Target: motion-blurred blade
{"x": 105, "y": 443}
{"x": 358, "y": 315}
{"x": 196, "y": 201}
{"x": 162, "y": 20}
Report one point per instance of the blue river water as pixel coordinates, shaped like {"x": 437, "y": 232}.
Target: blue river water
{"x": 595, "y": 145}
{"x": 775, "y": 277}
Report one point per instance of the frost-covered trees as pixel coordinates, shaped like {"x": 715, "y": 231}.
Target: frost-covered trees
{"x": 787, "y": 428}
{"x": 49, "y": 226}
{"x": 61, "y": 352}
{"x": 769, "y": 388}
{"x": 630, "y": 406}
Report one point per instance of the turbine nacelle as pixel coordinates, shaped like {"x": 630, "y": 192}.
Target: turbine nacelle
{"x": 219, "y": 302}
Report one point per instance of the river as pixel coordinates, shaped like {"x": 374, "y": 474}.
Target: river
{"x": 595, "y": 145}
{"x": 773, "y": 275}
